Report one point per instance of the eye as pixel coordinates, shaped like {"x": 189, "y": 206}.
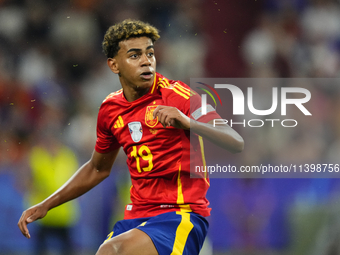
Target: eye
{"x": 150, "y": 54}
{"x": 134, "y": 56}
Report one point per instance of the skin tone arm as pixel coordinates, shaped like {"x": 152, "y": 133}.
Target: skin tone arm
{"x": 88, "y": 176}
{"x": 222, "y": 135}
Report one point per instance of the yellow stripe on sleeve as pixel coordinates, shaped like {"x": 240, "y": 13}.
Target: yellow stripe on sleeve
{"x": 166, "y": 82}
{"x": 183, "y": 230}
{"x": 180, "y": 93}
{"x": 183, "y": 89}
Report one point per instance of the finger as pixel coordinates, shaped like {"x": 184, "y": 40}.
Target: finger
{"x": 23, "y": 225}
{"x": 33, "y": 217}
{"x": 154, "y": 114}
{"x": 172, "y": 123}
{"x": 27, "y": 234}
{"x": 21, "y": 218}
{"x": 167, "y": 121}
{"x": 161, "y": 118}
{"x": 30, "y": 219}
{"x": 156, "y": 111}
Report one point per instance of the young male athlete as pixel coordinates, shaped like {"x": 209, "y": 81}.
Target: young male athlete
{"x": 151, "y": 117}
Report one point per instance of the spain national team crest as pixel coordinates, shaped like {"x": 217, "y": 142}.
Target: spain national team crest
{"x": 149, "y": 120}
{"x": 136, "y": 131}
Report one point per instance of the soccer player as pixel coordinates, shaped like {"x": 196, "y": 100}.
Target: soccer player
{"x": 151, "y": 117}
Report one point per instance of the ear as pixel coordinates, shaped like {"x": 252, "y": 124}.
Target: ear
{"x": 113, "y": 64}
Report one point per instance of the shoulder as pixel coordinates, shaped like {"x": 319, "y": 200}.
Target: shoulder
{"x": 109, "y": 105}
{"x": 111, "y": 100}
{"x": 174, "y": 88}
{"x": 114, "y": 95}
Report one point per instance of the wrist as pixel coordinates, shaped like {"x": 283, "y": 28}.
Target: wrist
{"x": 49, "y": 203}
{"x": 193, "y": 125}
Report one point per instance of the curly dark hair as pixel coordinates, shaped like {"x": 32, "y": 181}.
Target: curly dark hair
{"x": 125, "y": 30}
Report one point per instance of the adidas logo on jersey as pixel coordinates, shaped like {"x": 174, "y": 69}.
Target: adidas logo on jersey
{"x": 119, "y": 122}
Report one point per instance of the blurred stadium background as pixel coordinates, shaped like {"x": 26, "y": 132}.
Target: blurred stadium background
{"x": 53, "y": 77}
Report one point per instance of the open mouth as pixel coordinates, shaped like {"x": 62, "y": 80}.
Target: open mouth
{"x": 147, "y": 75}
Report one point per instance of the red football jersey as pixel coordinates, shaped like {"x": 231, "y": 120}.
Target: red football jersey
{"x": 158, "y": 157}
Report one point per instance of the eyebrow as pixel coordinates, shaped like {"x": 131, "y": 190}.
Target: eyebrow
{"x": 138, "y": 50}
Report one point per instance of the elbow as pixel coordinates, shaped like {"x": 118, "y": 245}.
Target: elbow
{"x": 103, "y": 174}
{"x": 99, "y": 172}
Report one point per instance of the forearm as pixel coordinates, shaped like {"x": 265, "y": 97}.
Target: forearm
{"x": 223, "y": 136}
{"x": 88, "y": 176}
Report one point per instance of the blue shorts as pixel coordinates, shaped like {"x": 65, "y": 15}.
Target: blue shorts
{"x": 172, "y": 232}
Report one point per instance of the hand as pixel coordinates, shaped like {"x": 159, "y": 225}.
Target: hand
{"x": 34, "y": 213}
{"x": 171, "y": 116}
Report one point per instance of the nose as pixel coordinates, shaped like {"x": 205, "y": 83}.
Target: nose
{"x": 145, "y": 61}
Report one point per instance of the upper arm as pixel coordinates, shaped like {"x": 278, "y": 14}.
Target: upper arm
{"x": 106, "y": 141}
{"x": 194, "y": 110}
{"x": 104, "y": 161}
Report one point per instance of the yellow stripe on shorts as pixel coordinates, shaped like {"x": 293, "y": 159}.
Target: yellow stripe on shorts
{"x": 182, "y": 233}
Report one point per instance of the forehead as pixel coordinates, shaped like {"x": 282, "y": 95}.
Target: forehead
{"x": 135, "y": 43}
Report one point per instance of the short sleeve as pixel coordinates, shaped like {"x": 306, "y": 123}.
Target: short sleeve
{"x": 106, "y": 141}
{"x": 194, "y": 107}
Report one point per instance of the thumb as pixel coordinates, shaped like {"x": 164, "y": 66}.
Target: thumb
{"x": 32, "y": 218}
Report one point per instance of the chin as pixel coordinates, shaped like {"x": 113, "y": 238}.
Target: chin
{"x": 146, "y": 83}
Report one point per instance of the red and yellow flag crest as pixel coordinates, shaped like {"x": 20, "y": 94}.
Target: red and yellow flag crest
{"x": 149, "y": 120}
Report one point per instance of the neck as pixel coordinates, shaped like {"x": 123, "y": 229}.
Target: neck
{"x": 132, "y": 93}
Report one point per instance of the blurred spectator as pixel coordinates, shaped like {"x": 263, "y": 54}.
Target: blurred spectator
{"x": 52, "y": 164}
